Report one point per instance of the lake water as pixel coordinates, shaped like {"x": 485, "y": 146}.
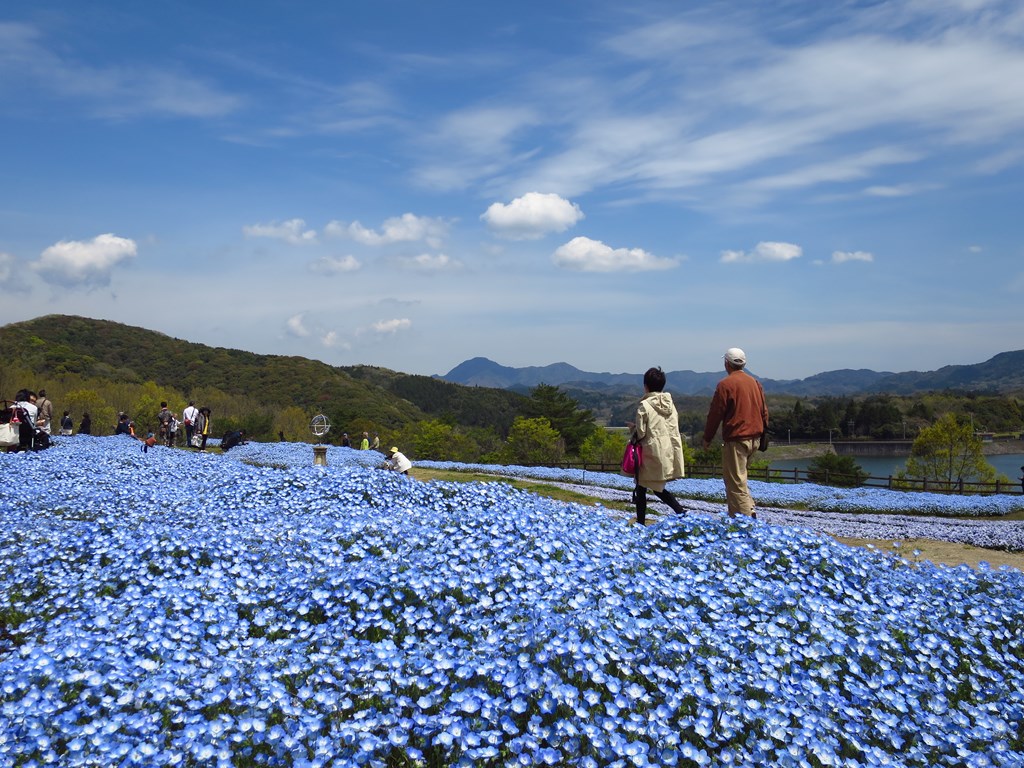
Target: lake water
{"x": 1008, "y": 464}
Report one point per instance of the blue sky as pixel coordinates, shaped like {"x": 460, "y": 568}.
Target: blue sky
{"x": 613, "y": 185}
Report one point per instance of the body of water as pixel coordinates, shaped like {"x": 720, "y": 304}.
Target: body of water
{"x": 1007, "y": 464}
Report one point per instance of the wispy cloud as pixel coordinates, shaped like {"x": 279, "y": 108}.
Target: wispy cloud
{"x": 841, "y": 257}
{"x": 429, "y": 262}
{"x": 392, "y": 326}
{"x": 292, "y": 231}
{"x": 765, "y": 251}
{"x": 335, "y": 265}
{"x": 111, "y": 91}
{"x": 400, "y": 229}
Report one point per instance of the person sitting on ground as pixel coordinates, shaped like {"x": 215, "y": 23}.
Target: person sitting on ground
{"x": 397, "y": 462}
{"x": 123, "y": 426}
{"x": 231, "y": 439}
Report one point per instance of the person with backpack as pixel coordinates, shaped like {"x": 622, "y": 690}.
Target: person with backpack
{"x": 164, "y": 418}
{"x": 44, "y": 418}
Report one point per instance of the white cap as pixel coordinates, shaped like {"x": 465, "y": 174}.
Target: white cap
{"x": 736, "y": 356}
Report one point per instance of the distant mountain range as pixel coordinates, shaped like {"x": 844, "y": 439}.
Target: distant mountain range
{"x": 1002, "y": 374}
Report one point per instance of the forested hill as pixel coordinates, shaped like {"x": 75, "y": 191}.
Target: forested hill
{"x": 58, "y": 346}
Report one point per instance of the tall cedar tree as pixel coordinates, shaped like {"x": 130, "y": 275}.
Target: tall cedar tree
{"x": 563, "y": 413}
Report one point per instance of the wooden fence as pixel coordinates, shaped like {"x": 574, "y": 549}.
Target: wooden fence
{"x": 804, "y": 476}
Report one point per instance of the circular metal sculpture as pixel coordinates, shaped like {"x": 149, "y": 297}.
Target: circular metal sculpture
{"x": 319, "y": 426}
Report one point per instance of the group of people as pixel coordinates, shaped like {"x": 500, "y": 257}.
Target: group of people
{"x": 395, "y": 461}
{"x": 365, "y": 443}
{"x": 195, "y": 420}
{"x": 197, "y": 423}
{"x": 30, "y": 417}
{"x": 738, "y": 407}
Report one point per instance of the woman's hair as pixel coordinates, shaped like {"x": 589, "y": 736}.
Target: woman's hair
{"x": 654, "y": 379}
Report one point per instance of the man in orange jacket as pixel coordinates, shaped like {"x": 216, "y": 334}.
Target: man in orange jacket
{"x": 739, "y": 407}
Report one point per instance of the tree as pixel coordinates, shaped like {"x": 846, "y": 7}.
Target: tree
{"x": 439, "y": 441}
{"x": 832, "y": 469}
{"x": 950, "y": 452}
{"x": 533, "y": 441}
{"x": 603, "y": 447}
{"x": 562, "y": 413}
{"x": 294, "y": 422}
{"x": 880, "y": 418}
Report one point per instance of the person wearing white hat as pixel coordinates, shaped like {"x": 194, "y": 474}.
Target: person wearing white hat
{"x": 739, "y": 407}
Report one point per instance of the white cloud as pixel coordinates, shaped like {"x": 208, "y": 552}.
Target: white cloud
{"x": 295, "y": 326}
{"x": 335, "y": 265}
{"x": 292, "y": 231}
{"x": 392, "y": 326}
{"x": 531, "y": 216}
{"x": 427, "y": 262}
{"x": 765, "y": 251}
{"x": 332, "y": 340}
{"x": 840, "y": 257}
{"x": 588, "y": 255}
{"x": 399, "y": 229}
{"x": 73, "y": 262}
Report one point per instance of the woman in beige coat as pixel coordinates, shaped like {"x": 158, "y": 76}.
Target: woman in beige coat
{"x": 657, "y": 430}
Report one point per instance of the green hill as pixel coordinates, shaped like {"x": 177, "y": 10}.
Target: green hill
{"x": 82, "y": 352}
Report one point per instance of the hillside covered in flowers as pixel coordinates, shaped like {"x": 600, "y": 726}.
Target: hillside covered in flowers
{"x": 174, "y": 608}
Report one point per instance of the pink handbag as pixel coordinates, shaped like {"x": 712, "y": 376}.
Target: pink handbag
{"x": 632, "y": 458}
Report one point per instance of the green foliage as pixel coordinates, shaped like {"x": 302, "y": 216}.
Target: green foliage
{"x": 949, "y": 451}
{"x": 604, "y": 446}
{"x": 708, "y": 457}
{"x": 832, "y": 469}
{"x": 438, "y": 441}
{"x": 562, "y": 413}
{"x": 293, "y": 422}
{"x": 533, "y": 441}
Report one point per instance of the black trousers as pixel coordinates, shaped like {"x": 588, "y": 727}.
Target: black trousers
{"x": 640, "y": 499}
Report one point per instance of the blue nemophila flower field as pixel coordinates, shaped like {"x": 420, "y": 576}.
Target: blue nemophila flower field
{"x": 174, "y": 608}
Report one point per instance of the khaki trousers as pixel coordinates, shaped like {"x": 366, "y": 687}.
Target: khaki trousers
{"x": 735, "y": 459}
